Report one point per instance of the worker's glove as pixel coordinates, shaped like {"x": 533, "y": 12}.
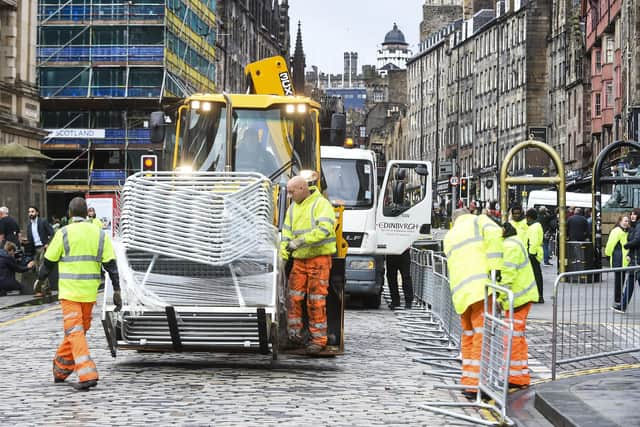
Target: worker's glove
{"x": 295, "y": 244}
{"x": 498, "y": 276}
{"x": 117, "y": 300}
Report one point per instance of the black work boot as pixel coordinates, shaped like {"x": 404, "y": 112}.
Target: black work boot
{"x": 85, "y": 385}
{"x": 57, "y": 380}
{"x": 314, "y": 349}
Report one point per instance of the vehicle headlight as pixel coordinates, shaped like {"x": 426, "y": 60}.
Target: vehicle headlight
{"x": 302, "y": 108}
{"x": 195, "y": 105}
{"x": 206, "y": 106}
{"x": 290, "y": 108}
{"x": 362, "y": 265}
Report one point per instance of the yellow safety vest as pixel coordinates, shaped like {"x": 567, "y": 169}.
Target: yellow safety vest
{"x": 517, "y": 274}
{"x": 473, "y": 248}
{"x": 314, "y": 220}
{"x": 535, "y": 235}
{"x": 617, "y": 235}
{"x": 523, "y": 231}
{"x": 80, "y": 249}
{"x": 96, "y": 222}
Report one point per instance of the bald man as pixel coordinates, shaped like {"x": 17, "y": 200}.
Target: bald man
{"x": 308, "y": 236}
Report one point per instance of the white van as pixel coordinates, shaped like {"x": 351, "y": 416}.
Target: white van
{"x": 550, "y": 198}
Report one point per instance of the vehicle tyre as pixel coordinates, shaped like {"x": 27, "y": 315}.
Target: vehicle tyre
{"x": 275, "y": 341}
{"x": 372, "y": 301}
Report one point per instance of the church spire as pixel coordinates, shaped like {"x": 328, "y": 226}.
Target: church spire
{"x": 299, "y": 63}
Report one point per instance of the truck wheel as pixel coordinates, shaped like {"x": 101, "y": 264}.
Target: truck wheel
{"x": 372, "y": 301}
{"x": 275, "y": 341}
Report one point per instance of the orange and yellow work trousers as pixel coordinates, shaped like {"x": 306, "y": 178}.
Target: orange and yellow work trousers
{"x": 471, "y": 342}
{"x": 519, "y": 365}
{"x": 73, "y": 353}
{"x": 309, "y": 278}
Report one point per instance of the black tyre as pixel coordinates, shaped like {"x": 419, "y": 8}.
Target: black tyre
{"x": 372, "y": 301}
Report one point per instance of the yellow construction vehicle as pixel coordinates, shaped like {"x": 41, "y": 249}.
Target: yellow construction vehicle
{"x": 221, "y": 286}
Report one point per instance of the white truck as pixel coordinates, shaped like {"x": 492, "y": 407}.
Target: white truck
{"x": 376, "y": 223}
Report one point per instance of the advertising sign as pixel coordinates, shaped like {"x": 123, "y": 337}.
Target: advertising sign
{"x": 76, "y": 133}
{"x": 105, "y": 206}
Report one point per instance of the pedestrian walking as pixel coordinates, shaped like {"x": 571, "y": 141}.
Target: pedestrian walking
{"x": 617, "y": 254}
{"x": 549, "y": 224}
{"x": 633, "y": 245}
{"x": 79, "y": 249}
{"x": 9, "y": 228}
{"x": 577, "y": 227}
{"x": 308, "y": 236}
{"x": 9, "y": 267}
{"x": 518, "y": 276}
{"x": 39, "y": 233}
{"x": 401, "y": 263}
{"x": 535, "y": 237}
{"x": 474, "y": 249}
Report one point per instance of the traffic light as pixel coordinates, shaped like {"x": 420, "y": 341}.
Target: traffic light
{"x": 149, "y": 163}
{"x": 463, "y": 188}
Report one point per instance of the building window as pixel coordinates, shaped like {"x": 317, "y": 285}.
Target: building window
{"x": 609, "y": 51}
{"x": 608, "y": 96}
{"x": 597, "y": 106}
{"x": 597, "y": 61}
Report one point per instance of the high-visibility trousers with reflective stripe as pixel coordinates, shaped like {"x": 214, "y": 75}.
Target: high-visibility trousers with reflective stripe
{"x": 73, "y": 353}
{"x": 519, "y": 364}
{"x": 309, "y": 278}
{"x": 471, "y": 343}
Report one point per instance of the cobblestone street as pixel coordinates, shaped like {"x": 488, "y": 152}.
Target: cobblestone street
{"x": 374, "y": 383}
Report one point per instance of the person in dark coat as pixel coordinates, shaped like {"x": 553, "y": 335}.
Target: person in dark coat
{"x": 633, "y": 245}
{"x": 39, "y": 233}
{"x": 577, "y": 227}
{"x": 9, "y": 267}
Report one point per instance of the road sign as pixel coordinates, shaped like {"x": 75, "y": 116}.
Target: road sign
{"x": 453, "y": 180}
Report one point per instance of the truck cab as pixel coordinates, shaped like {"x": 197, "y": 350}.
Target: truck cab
{"x": 350, "y": 174}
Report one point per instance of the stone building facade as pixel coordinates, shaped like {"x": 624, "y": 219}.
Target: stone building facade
{"x": 19, "y": 99}
{"x": 494, "y": 65}
{"x": 22, "y": 166}
{"x": 249, "y": 30}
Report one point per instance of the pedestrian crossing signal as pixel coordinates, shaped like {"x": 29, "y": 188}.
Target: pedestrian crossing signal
{"x": 149, "y": 163}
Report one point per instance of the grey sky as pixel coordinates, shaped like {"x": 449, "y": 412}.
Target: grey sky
{"x": 332, "y": 27}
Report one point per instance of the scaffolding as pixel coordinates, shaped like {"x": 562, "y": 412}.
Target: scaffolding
{"x": 103, "y": 67}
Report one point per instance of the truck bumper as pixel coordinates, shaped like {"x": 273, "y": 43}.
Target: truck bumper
{"x": 364, "y": 281}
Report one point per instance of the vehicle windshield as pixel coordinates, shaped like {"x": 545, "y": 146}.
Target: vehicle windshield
{"x": 263, "y": 140}
{"x": 349, "y": 181}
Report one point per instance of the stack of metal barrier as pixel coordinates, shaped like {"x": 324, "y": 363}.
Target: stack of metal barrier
{"x": 434, "y": 331}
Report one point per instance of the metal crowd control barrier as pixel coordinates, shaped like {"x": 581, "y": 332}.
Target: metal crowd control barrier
{"x": 436, "y": 336}
{"x": 495, "y": 359}
{"x": 584, "y": 324}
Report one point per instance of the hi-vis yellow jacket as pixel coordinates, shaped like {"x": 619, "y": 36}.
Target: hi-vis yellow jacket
{"x": 314, "y": 220}
{"x": 536, "y": 235}
{"x": 80, "y": 249}
{"x": 473, "y": 248}
{"x": 517, "y": 274}
{"x": 523, "y": 230}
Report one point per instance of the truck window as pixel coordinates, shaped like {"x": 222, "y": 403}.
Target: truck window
{"x": 405, "y": 188}
{"x": 349, "y": 181}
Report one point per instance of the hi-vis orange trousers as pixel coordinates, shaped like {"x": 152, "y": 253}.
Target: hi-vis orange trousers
{"x": 471, "y": 343}
{"x": 519, "y": 364}
{"x": 309, "y": 278}
{"x": 73, "y": 353}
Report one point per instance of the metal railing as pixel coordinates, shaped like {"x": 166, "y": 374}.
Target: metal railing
{"x": 436, "y": 332}
{"x": 585, "y": 326}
